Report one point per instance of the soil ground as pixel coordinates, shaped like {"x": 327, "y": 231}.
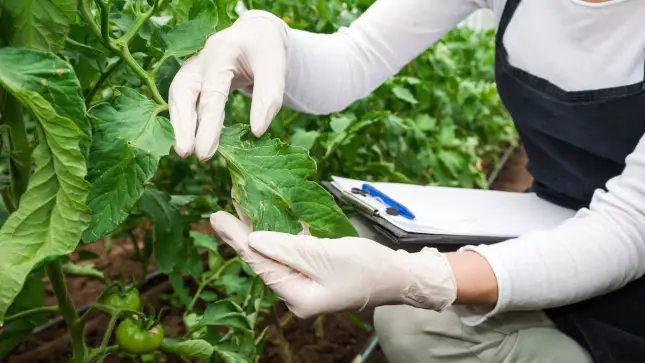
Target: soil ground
{"x": 334, "y": 338}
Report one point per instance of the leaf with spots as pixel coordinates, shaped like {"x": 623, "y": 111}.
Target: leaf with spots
{"x": 53, "y": 80}
{"x": 52, "y": 214}
{"x": 272, "y": 183}
{"x": 129, "y": 141}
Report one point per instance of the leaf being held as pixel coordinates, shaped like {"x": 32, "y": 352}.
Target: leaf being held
{"x": 52, "y": 213}
{"x": 129, "y": 142}
{"x": 272, "y": 183}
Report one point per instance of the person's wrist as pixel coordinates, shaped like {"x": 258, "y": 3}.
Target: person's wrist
{"x": 476, "y": 282}
{"x": 427, "y": 281}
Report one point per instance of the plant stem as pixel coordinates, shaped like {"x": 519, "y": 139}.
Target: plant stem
{"x": 105, "y": 19}
{"x": 104, "y": 76}
{"x": 106, "y": 337}
{"x": 74, "y": 325}
{"x": 138, "y": 23}
{"x": 291, "y": 118}
{"x": 86, "y": 14}
{"x": 124, "y": 53}
{"x": 20, "y": 164}
{"x": 285, "y": 349}
{"x": 139, "y": 256}
{"x": 120, "y": 47}
{"x": 38, "y": 310}
{"x": 208, "y": 281}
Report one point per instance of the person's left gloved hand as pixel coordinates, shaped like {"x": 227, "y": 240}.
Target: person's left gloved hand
{"x": 314, "y": 275}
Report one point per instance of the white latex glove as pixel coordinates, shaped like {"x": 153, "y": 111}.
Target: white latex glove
{"x": 250, "y": 56}
{"x": 315, "y": 276}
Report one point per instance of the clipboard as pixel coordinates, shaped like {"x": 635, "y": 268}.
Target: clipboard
{"x": 539, "y": 214}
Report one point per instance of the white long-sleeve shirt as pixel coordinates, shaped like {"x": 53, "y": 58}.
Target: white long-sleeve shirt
{"x": 575, "y": 45}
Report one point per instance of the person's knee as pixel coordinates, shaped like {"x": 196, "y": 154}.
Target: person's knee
{"x": 410, "y": 335}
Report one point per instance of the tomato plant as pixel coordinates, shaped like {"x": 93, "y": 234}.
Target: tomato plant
{"x": 85, "y": 155}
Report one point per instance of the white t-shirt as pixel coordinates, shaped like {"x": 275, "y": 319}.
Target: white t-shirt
{"x": 573, "y": 44}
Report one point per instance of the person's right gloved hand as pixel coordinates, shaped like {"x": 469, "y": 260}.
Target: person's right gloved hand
{"x": 316, "y": 275}
{"x": 249, "y": 56}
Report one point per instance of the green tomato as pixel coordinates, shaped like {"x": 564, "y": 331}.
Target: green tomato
{"x": 131, "y": 338}
{"x": 124, "y": 300}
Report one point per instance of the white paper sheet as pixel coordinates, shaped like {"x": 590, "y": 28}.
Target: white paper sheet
{"x": 464, "y": 212}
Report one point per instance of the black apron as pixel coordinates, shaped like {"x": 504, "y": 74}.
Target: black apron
{"x": 576, "y": 142}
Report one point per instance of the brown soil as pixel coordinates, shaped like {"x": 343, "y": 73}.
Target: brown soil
{"x": 333, "y": 338}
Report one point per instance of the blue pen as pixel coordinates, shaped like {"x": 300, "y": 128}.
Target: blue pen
{"x": 401, "y": 209}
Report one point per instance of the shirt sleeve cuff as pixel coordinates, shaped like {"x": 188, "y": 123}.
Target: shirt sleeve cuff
{"x": 474, "y": 315}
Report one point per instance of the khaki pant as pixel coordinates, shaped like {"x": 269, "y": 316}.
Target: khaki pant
{"x": 411, "y": 335}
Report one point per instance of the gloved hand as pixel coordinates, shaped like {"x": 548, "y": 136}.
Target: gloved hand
{"x": 249, "y": 56}
{"x": 315, "y": 276}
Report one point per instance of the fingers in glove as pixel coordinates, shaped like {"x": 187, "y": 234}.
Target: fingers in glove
{"x": 232, "y": 231}
{"x": 182, "y": 102}
{"x": 285, "y": 281}
{"x": 243, "y": 217}
{"x": 268, "y": 63}
{"x": 300, "y": 252}
{"x": 215, "y": 87}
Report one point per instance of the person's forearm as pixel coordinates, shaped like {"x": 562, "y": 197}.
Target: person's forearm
{"x": 599, "y": 250}
{"x": 476, "y": 282}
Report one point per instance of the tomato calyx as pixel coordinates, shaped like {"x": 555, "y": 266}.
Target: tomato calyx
{"x": 118, "y": 296}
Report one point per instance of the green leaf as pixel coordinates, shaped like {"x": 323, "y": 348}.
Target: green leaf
{"x": 193, "y": 349}
{"x": 253, "y": 299}
{"x": 180, "y": 289}
{"x": 189, "y": 38}
{"x": 205, "y": 241}
{"x": 270, "y": 182}
{"x": 165, "y": 75}
{"x": 190, "y": 9}
{"x": 304, "y": 139}
{"x": 52, "y": 213}
{"x": 425, "y": 122}
{"x": 181, "y": 200}
{"x": 52, "y": 79}
{"x": 340, "y": 123}
{"x": 37, "y": 24}
{"x": 14, "y": 334}
{"x": 404, "y": 94}
{"x": 208, "y": 296}
{"x": 166, "y": 218}
{"x": 225, "y": 313}
{"x": 31, "y": 296}
{"x": 129, "y": 142}
{"x": 229, "y": 356}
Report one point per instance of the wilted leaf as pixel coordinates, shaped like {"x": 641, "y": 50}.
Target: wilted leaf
{"x": 52, "y": 213}
{"x": 129, "y": 143}
{"x": 166, "y": 238}
{"x": 270, "y": 182}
